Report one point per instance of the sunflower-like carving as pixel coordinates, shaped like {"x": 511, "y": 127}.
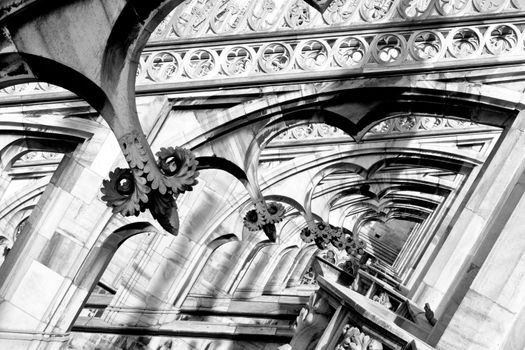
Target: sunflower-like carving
{"x": 150, "y": 184}
{"x": 273, "y": 213}
{"x": 264, "y": 214}
{"x": 126, "y": 191}
{"x": 306, "y": 235}
{"x": 323, "y": 232}
{"x": 179, "y": 167}
{"x": 252, "y": 220}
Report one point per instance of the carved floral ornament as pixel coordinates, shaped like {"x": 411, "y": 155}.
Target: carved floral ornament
{"x": 409, "y": 123}
{"x": 354, "y": 339}
{"x": 310, "y": 131}
{"x": 40, "y": 156}
{"x": 323, "y": 235}
{"x": 383, "y": 299}
{"x": 265, "y": 213}
{"x": 150, "y": 186}
{"x": 210, "y": 18}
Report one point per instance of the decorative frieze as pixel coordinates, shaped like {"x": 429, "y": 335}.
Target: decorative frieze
{"x": 417, "y": 47}
{"x": 201, "y": 18}
{"x": 39, "y": 156}
{"x": 413, "y": 124}
{"x": 29, "y": 89}
{"x": 326, "y": 55}
{"x": 310, "y": 131}
{"x": 358, "y": 53}
{"x": 409, "y": 123}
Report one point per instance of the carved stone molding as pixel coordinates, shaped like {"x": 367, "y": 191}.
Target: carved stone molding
{"x": 414, "y": 123}
{"x": 310, "y": 131}
{"x": 383, "y": 299}
{"x": 327, "y": 55}
{"x": 407, "y": 49}
{"x": 354, "y": 339}
{"x": 308, "y": 277}
{"x": 311, "y": 322}
{"x": 39, "y": 156}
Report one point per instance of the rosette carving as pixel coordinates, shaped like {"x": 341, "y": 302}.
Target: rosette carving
{"x": 306, "y": 235}
{"x": 251, "y": 220}
{"x": 340, "y": 238}
{"x": 179, "y": 167}
{"x": 273, "y": 213}
{"x": 323, "y": 232}
{"x": 126, "y": 191}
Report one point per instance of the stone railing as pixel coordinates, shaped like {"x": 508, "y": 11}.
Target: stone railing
{"x": 327, "y": 54}
{"x": 252, "y": 61}
{"x": 408, "y": 316}
{"x": 348, "y": 320}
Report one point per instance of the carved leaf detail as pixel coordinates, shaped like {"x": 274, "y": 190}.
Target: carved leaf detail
{"x": 126, "y": 191}
{"x": 179, "y": 167}
{"x": 251, "y": 221}
{"x": 155, "y": 177}
{"x": 133, "y": 150}
{"x": 163, "y": 208}
{"x": 272, "y": 213}
{"x": 264, "y": 217}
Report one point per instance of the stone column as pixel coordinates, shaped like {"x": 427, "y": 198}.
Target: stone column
{"x": 493, "y": 306}
{"x": 475, "y": 229}
{"x": 5, "y": 180}
{"x": 38, "y": 298}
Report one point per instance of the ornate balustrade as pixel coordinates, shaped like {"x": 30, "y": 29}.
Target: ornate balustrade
{"x": 252, "y": 61}
{"x": 350, "y": 321}
{"x": 409, "y": 317}
{"x": 330, "y": 54}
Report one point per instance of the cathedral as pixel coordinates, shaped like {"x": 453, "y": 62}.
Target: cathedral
{"x": 262, "y": 175}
